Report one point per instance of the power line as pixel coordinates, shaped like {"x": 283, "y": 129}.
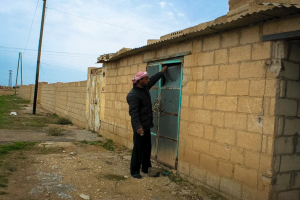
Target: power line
{"x": 61, "y": 52}
{"x": 31, "y": 25}
{"x": 100, "y": 21}
{"x": 61, "y": 67}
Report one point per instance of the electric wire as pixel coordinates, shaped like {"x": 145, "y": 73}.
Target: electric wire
{"x": 31, "y": 25}
{"x": 101, "y": 21}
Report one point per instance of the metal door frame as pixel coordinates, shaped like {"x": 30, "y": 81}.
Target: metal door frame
{"x": 160, "y": 64}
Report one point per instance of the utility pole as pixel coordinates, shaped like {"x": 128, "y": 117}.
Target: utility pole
{"x": 10, "y": 78}
{"x": 20, "y": 55}
{"x": 38, "y": 59}
{"x": 21, "y": 69}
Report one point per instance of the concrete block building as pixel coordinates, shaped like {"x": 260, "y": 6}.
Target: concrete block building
{"x": 231, "y": 100}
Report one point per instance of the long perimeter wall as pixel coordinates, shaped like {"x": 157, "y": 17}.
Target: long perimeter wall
{"x": 64, "y": 99}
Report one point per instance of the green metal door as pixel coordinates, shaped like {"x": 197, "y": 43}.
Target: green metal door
{"x": 166, "y": 93}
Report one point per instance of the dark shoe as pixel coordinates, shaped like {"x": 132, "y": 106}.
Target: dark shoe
{"x": 137, "y": 176}
{"x": 145, "y": 171}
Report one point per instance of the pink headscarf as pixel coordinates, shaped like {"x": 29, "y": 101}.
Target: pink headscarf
{"x": 139, "y": 76}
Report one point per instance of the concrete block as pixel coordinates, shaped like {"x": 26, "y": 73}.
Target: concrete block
{"x": 198, "y": 173}
{"x": 187, "y": 114}
{"x": 133, "y": 69}
{"x": 293, "y": 89}
{"x": 230, "y": 71}
{"x": 189, "y": 88}
{"x": 286, "y": 107}
{"x": 218, "y": 119}
{"x": 209, "y": 102}
{"x": 293, "y": 53}
{"x": 200, "y": 87}
{"x": 201, "y": 145}
{"x": 206, "y": 58}
{"x": 289, "y": 163}
{"x": 209, "y": 132}
{"x": 124, "y": 62}
{"x": 185, "y": 46}
{"x": 197, "y": 73}
{"x": 240, "y": 87}
{"x": 185, "y": 101}
{"x": 255, "y": 69}
{"x": 213, "y": 180}
{"x": 229, "y": 39}
{"x": 195, "y": 129}
{"x": 231, "y": 187}
{"x": 149, "y": 55}
{"x": 191, "y": 156}
{"x": 251, "y": 141}
{"x": 290, "y": 195}
{"x": 196, "y": 101}
{"x": 184, "y": 167}
{"x": 203, "y": 116}
{"x": 208, "y": 162}
{"x": 226, "y": 136}
{"x": 283, "y": 182}
{"x": 270, "y": 27}
{"x": 250, "y": 105}
{"x": 240, "y": 53}
{"x": 272, "y": 87}
{"x": 211, "y": 43}
{"x": 236, "y": 121}
{"x": 245, "y": 175}
{"x": 219, "y": 151}
{"x": 251, "y": 159}
{"x": 221, "y": 56}
{"x": 250, "y": 35}
{"x": 283, "y": 145}
{"x": 261, "y": 51}
{"x": 216, "y": 87}
{"x": 225, "y": 169}
{"x": 255, "y": 123}
{"x": 269, "y": 125}
{"x": 249, "y": 193}
{"x": 289, "y": 24}
{"x": 291, "y": 70}
{"x": 138, "y": 59}
{"x": 227, "y": 103}
{"x": 197, "y": 46}
{"x": 211, "y": 72}
{"x": 191, "y": 60}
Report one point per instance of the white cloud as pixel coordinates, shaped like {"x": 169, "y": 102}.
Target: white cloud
{"x": 162, "y": 4}
{"x": 180, "y": 14}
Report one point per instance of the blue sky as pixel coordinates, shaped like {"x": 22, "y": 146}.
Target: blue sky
{"x": 76, "y": 32}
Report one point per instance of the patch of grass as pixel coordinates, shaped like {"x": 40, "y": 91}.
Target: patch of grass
{"x": 91, "y": 142}
{"x": 63, "y": 121}
{"x": 55, "y": 131}
{"x": 7, "y": 167}
{"x": 108, "y": 144}
{"x": 114, "y": 177}
{"x": 3, "y": 193}
{"x": 54, "y": 115}
{"x": 5, "y": 149}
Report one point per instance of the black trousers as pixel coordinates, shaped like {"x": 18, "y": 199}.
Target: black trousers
{"x": 141, "y": 153}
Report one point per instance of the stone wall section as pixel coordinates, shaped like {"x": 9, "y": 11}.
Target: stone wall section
{"x": 64, "y": 99}
{"x": 287, "y": 136}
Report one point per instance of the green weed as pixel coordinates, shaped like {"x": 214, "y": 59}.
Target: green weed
{"x": 55, "y": 131}
{"x": 3, "y": 193}
{"x": 63, "y": 121}
{"x": 108, "y": 144}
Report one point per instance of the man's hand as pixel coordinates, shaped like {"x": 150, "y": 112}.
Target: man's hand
{"x": 164, "y": 69}
{"x": 140, "y": 131}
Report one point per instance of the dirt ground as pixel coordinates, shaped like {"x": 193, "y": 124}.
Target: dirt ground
{"x": 64, "y": 167}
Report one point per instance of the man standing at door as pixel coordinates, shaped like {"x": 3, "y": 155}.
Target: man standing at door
{"x": 140, "y": 110}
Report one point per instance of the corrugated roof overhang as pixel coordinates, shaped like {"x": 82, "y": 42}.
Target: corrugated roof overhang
{"x": 245, "y": 20}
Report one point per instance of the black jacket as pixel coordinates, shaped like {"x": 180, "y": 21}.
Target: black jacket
{"x": 140, "y": 107}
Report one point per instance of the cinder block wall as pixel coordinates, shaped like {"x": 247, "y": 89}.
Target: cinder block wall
{"x": 287, "y": 140}
{"x": 64, "y": 99}
{"x": 227, "y": 125}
